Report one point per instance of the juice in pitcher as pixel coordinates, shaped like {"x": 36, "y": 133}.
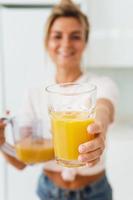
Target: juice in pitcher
{"x": 69, "y": 131}
{"x": 31, "y": 150}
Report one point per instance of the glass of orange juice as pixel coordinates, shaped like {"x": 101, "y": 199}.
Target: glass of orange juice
{"x": 30, "y": 146}
{"x": 71, "y": 109}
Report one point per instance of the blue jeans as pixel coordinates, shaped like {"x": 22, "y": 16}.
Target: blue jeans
{"x": 99, "y": 190}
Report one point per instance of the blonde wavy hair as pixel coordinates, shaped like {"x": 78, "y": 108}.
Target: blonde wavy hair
{"x": 66, "y": 8}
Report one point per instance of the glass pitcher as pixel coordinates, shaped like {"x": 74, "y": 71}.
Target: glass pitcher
{"x": 29, "y": 145}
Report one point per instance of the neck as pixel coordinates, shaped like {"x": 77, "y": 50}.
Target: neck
{"x": 65, "y": 76}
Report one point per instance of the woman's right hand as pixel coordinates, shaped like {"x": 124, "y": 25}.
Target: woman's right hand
{"x": 2, "y": 129}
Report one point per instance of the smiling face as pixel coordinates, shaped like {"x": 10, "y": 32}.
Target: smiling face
{"x": 66, "y": 42}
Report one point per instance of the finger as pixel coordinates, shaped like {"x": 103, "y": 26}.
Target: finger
{"x": 88, "y": 157}
{"x": 92, "y": 145}
{"x": 94, "y": 128}
{"x": 92, "y": 163}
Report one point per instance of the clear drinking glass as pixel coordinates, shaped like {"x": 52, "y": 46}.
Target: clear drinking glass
{"x": 71, "y": 109}
{"x": 28, "y": 143}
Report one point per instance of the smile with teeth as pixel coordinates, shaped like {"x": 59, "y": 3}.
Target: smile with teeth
{"x": 65, "y": 54}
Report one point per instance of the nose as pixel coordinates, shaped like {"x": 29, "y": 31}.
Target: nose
{"x": 66, "y": 42}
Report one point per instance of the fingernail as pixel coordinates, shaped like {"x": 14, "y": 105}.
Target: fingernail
{"x": 82, "y": 148}
{"x": 81, "y": 159}
{"x": 89, "y": 165}
{"x": 90, "y": 129}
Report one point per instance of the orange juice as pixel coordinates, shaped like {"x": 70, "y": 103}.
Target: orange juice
{"x": 31, "y": 150}
{"x": 69, "y": 131}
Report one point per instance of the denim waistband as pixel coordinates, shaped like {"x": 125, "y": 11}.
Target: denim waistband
{"x": 99, "y": 190}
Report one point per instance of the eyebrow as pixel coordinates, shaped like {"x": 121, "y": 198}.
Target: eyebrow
{"x": 73, "y": 32}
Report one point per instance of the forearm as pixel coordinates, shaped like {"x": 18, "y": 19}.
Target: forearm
{"x": 104, "y": 112}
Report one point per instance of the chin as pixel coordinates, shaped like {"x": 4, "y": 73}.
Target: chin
{"x": 66, "y": 65}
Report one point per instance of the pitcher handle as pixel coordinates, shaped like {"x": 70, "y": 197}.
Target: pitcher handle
{"x": 6, "y": 147}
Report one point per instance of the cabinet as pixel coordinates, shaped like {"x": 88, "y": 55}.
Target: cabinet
{"x": 22, "y": 67}
{"x": 111, "y": 38}
{"x": 119, "y": 163}
{"x": 23, "y": 52}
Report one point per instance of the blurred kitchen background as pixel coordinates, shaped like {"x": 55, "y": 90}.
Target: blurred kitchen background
{"x": 25, "y": 64}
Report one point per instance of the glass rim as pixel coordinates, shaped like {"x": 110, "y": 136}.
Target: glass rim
{"x": 91, "y": 88}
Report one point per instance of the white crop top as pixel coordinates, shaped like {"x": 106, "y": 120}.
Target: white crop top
{"x": 35, "y": 107}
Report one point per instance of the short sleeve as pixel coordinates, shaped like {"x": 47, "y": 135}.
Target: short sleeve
{"x": 106, "y": 88}
{"x": 26, "y": 111}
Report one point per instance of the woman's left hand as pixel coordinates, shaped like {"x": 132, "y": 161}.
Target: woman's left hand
{"x": 91, "y": 151}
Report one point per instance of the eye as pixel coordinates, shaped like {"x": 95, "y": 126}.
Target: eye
{"x": 76, "y": 37}
{"x": 56, "y": 37}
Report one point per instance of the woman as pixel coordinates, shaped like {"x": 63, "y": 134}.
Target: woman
{"x": 66, "y": 38}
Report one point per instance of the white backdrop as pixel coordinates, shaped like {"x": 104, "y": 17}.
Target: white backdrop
{"x": 26, "y": 65}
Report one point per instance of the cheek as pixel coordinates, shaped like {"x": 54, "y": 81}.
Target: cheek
{"x": 80, "y": 49}
{"x": 51, "y": 47}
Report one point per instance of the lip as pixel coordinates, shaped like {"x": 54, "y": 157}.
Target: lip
{"x": 65, "y": 54}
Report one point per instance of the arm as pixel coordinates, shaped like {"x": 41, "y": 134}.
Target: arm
{"x": 104, "y": 113}
{"x": 91, "y": 151}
